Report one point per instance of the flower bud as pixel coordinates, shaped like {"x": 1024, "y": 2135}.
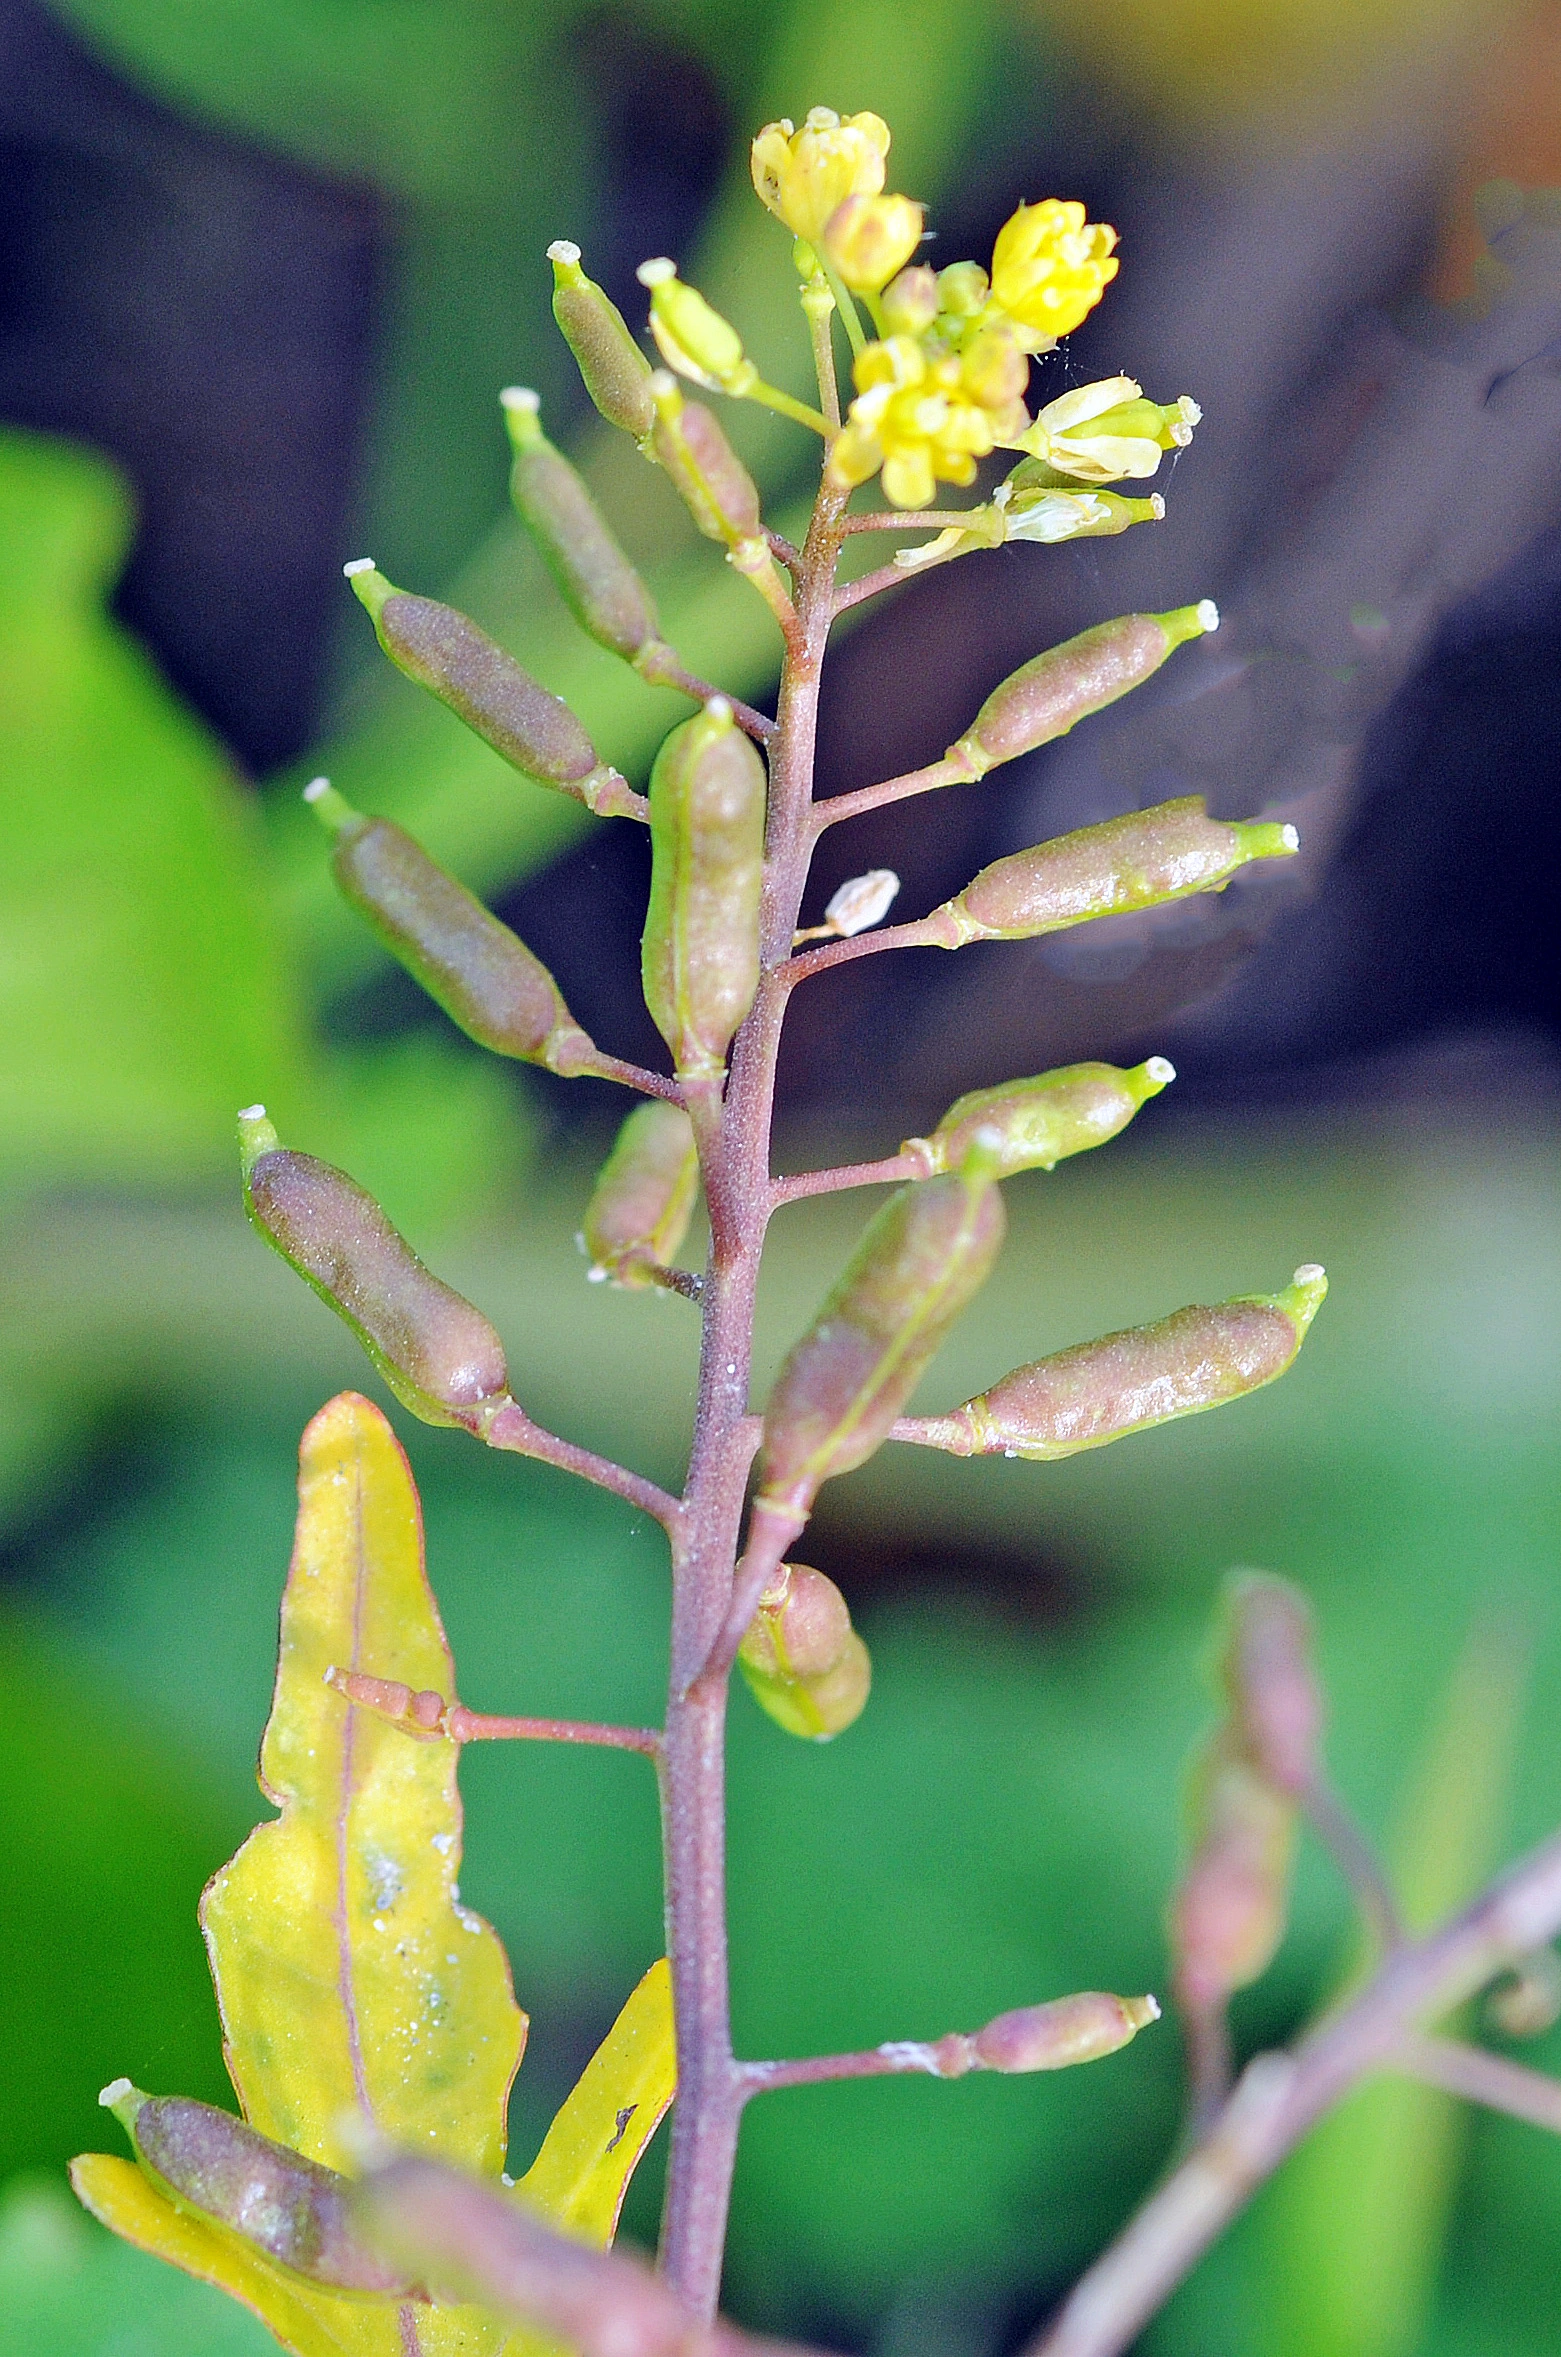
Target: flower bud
{"x": 1102, "y": 432}
{"x": 1138, "y": 861}
{"x": 807, "y": 1668}
{"x": 691, "y": 335}
{"x": 644, "y": 1198}
{"x": 803, "y": 176}
{"x": 595, "y": 579}
{"x": 437, "y": 1353}
{"x": 910, "y": 302}
{"x": 481, "y": 973}
{"x": 706, "y": 472}
{"x": 1037, "y": 1123}
{"x": 700, "y": 961}
{"x": 1227, "y": 1914}
{"x": 1052, "y": 692}
{"x": 445, "y": 652}
{"x": 1045, "y": 513}
{"x": 1050, "y": 268}
{"x": 963, "y": 289}
{"x": 919, "y": 1262}
{"x": 869, "y": 238}
{"x": 1266, "y": 1668}
{"x": 297, "y": 2212}
{"x": 1068, "y": 2030}
{"x": 1099, "y": 1391}
{"x": 615, "y": 371}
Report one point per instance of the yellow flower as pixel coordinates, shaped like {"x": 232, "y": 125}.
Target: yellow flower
{"x": 869, "y": 238}
{"x": 1050, "y": 268}
{"x": 925, "y": 419}
{"x": 803, "y": 175}
{"x": 1104, "y": 432}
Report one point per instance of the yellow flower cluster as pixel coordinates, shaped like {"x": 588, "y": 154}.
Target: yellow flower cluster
{"x": 925, "y": 415}
{"x": 804, "y": 175}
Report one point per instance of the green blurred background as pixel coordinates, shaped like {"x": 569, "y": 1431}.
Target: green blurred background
{"x": 264, "y": 267}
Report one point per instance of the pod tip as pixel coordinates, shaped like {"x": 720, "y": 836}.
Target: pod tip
{"x": 1290, "y": 839}
{"x": 1310, "y": 1272}
{"x": 315, "y": 788}
{"x": 115, "y": 2092}
{"x": 657, "y": 272}
{"x": 564, "y": 249}
{"x": 521, "y": 397}
{"x": 1160, "y": 1070}
{"x": 662, "y": 383}
{"x": 252, "y": 1113}
{"x": 1208, "y": 614}
{"x": 356, "y": 566}
{"x": 718, "y": 708}
{"x": 1157, "y": 507}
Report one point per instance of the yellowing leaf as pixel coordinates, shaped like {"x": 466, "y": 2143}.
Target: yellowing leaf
{"x": 579, "y": 2178}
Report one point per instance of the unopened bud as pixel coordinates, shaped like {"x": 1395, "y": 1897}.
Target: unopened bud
{"x": 705, "y": 470}
{"x": 910, "y": 302}
{"x": 807, "y": 1668}
{"x": 445, "y": 652}
{"x": 437, "y": 1353}
{"x": 1102, "y": 432}
{"x": 691, "y": 335}
{"x": 919, "y": 1262}
{"x": 481, "y": 973}
{"x": 700, "y": 957}
{"x": 594, "y": 577}
{"x": 1054, "y": 691}
{"x": 297, "y": 2212}
{"x": 1266, "y": 1668}
{"x": 615, "y": 371}
{"x": 1100, "y": 1391}
{"x": 420, "y": 1713}
{"x": 1037, "y": 1123}
{"x": 644, "y": 1199}
{"x": 963, "y": 289}
{"x": 1227, "y": 1914}
{"x": 1139, "y": 861}
{"x": 869, "y": 238}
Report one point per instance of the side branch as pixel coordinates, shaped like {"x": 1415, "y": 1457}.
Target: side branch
{"x": 511, "y": 1428}
{"x": 663, "y": 667}
{"x": 920, "y": 933}
{"x": 428, "y": 1718}
{"x": 951, "y": 770}
{"x": 887, "y": 1173}
{"x": 1483, "y": 2078}
{"x": 637, "y": 1076}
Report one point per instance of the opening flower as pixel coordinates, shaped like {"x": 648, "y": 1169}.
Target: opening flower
{"x": 1104, "y": 432}
{"x": 1050, "y": 268}
{"x": 925, "y": 418}
{"x": 804, "y": 175}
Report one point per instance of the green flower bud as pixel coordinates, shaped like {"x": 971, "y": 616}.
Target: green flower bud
{"x": 1265, "y": 1665}
{"x": 919, "y": 1262}
{"x": 437, "y": 1353}
{"x": 910, "y": 301}
{"x": 294, "y": 2210}
{"x": 644, "y": 1199}
{"x": 1138, "y": 861}
{"x": 706, "y": 471}
{"x": 805, "y": 1665}
{"x": 615, "y": 371}
{"x": 1098, "y": 1391}
{"x": 963, "y": 289}
{"x": 1227, "y": 1914}
{"x": 691, "y": 335}
{"x": 1052, "y": 692}
{"x": 700, "y": 961}
{"x": 481, "y": 973}
{"x": 595, "y": 579}
{"x": 445, "y": 652}
{"x": 1036, "y": 1123}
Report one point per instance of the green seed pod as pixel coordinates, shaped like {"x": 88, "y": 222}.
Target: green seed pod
{"x": 644, "y": 1199}
{"x": 615, "y": 371}
{"x": 691, "y": 335}
{"x": 1266, "y": 1669}
{"x": 1137, "y": 861}
{"x": 700, "y": 961}
{"x": 1049, "y": 694}
{"x": 706, "y": 472}
{"x": 206, "y": 2161}
{"x": 1068, "y": 2030}
{"x": 1227, "y": 1914}
{"x": 595, "y": 579}
{"x": 481, "y": 973}
{"x": 1099, "y": 1391}
{"x": 437, "y": 1353}
{"x": 1036, "y": 1123}
{"x": 446, "y": 653}
{"x": 805, "y": 1665}
{"x": 919, "y": 1262}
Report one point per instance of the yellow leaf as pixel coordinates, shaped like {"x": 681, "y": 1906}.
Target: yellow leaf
{"x": 579, "y": 2178}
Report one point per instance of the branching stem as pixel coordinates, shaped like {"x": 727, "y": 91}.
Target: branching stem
{"x": 477, "y": 1726}
{"x": 952, "y": 770}
{"x": 890, "y": 1172}
{"x": 513, "y": 1429}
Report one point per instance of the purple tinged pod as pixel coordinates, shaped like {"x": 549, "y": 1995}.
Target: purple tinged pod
{"x": 705, "y": 470}
{"x": 1227, "y": 1914}
{"x": 803, "y": 1662}
{"x": 1276, "y": 1706}
{"x": 481, "y": 973}
{"x": 615, "y": 371}
{"x": 644, "y": 1198}
{"x": 1100, "y": 1391}
{"x": 1036, "y": 1123}
{"x": 595, "y": 579}
{"x": 700, "y": 951}
{"x": 206, "y": 2161}
{"x": 1054, "y": 691}
{"x": 1137, "y": 861}
{"x": 1050, "y": 2037}
{"x": 920, "y": 1261}
{"x": 437, "y": 1353}
{"x": 445, "y": 651}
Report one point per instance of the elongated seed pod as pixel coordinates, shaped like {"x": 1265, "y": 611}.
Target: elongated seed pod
{"x": 1048, "y": 2037}
{"x": 1036, "y": 1123}
{"x": 919, "y": 1262}
{"x": 1054, "y": 691}
{"x": 1227, "y": 1914}
{"x": 297, "y": 2212}
{"x": 596, "y": 580}
{"x": 644, "y": 1198}
{"x": 438, "y": 1354}
{"x": 700, "y": 953}
{"x": 1266, "y": 1667}
{"x": 481, "y": 973}
{"x": 1138, "y": 861}
{"x": 1100, "y": 1391}
{"x": 445, "y": 652}
{"x": 615, "y": 371}
{"x": 803, "y": 1662}
{"x": 705, "y": 470}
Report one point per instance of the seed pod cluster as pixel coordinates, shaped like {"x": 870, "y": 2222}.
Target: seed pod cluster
{"x": 291, "y": 2208}
{"x": 595, "y": 579}
{"x": 920, "y": 1261}
{"x": 1055, "y": 690}
{"x": 615, "y": 371}
{"x": 805, "y": 1665}
{"x": 1036, "y": 1123}
{"x": 438, "y": 1354}
{"x": 445, "y": 652}
{"x": 644, "y": 1198}
{"x": 700, "y": 953}
{"x": 471, "y": 964}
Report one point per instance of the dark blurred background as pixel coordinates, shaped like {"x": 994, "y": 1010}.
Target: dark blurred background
{"x": 264, "y": 265}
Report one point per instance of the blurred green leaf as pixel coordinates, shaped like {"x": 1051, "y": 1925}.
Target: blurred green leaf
{"x": 67, "y": 2289}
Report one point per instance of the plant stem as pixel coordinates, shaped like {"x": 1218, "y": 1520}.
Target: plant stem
{"x": 950, "y": 771}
